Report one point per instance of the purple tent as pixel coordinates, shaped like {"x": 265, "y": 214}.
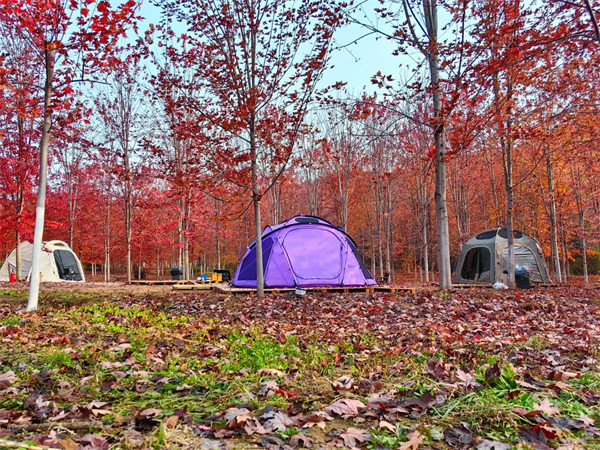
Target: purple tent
{"x": 305, "y": 251}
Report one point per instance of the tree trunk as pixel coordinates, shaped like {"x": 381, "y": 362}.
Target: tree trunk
{"x": 20, "y": 201}
{"x": 445, "y": 272}
{"x": 378, "y": 220}
{"x": 509, "y": 207}
{"x": 373, "y": 260}
{"x": 186, "y": 238}
{"x": 19, "y": 269}
{"x": 107, "y": 238}
{"x": 510, "y": 236}
{"x": 72, "y": 204}
{"x": 424, "y": 242}
{"x": 583, "y": 238}
{"x": 551, "y": 189}
{"x": 312, "y": 185}
{"x": 128, "y": 207}
{"x": 218, "y": 233}
{"x": 506, "y": 144}
{"x": 584, "y": 257}
{"x": 260, "y": 276}
{"x": 180, "y": 233}
{"x": 387, "y": 228}
{"x": 34, "y": 286}
{"x": 564, "y": 251}
{"x": 581, "y": 210}
{"x": 275, "y": 195}
{"x": 128, "y": 238}
{"x": 492, "y": 179}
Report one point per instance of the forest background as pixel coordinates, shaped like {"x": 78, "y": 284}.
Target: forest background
{"x": 148, "y": 169}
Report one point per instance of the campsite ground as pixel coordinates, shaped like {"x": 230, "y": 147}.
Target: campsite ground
{"x": 111, "y": 365}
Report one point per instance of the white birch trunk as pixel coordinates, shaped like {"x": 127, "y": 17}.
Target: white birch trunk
{"x": 34, "y": 284}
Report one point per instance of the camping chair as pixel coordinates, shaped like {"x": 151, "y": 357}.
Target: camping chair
{"x": 385, "y": 279}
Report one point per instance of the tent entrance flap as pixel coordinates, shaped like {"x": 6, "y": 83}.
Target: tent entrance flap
{"x": 68, "y": 269}
{"x": 477, "y": 263}
{"x": 248, "y": 268}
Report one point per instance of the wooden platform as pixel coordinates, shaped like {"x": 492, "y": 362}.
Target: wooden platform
{"x": 173, "y": 283}
{"x": 195, "y": 286}
{"x": 472, "y": 286}
{"x": 341, "y": 289}
{"x": 157, "y": 282}
{"x": 491, "y": 286}
{"x": 213, "y": 278}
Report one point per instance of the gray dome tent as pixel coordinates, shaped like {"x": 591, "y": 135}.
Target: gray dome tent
{"x": 485, "y": 256}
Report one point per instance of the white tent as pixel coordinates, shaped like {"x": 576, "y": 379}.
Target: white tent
{"x": 57, "y": 263}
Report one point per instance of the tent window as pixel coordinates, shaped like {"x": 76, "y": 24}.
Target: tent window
{"x": 248, "y": 269}
{"x": 477, "y": 261}
{"x": 307, "y": 220}
{"x": 503, "y": 233}
{"x": 67, "y": 265}
{"x": 486, "y": 235}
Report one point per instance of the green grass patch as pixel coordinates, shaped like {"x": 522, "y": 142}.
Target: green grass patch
{"x": 14, "y": 294}
{"x": 10, "y": 321}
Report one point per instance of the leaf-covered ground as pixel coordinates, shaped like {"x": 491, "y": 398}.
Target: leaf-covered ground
{"x": 476, "y": 368}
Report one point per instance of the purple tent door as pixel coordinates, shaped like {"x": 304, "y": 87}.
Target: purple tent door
{"x": 305, "y": 251}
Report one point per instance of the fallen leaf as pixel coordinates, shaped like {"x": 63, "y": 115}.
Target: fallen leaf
{"x": 386, "y": 426}
{"x": 492, "y": 373}
{"x": 546, "y": 407}
{"x": 535, "y": 436}
{"x": 436, "y": 369}
{"x": 317, "y": 418}
{"x": 208, "y": 444}
{"x": 413, "y": 440}
{"x": 95, "y": 441}
{"x": 493, "y": 445}
{"x": 133, "y": 438}
{"x": 270, "y": 373}
{"x": 150, "y": 412}
{"x": 68, "y": 443}
{"x": 343, "y": 383}
{"x": 465, "y": 377}
{"x": 279, "y": 422}
{"x": 232, "y": 413}
{"x": 6, "y": 379}
{"x": 95, "y": 404}
{"x": 345, "y": 406}
{"x": 459, "y": 435}
{"x": 268, "y": 388}
{"x": 352, "y": 436}
{"x": 587, "y": 421}
{"x": 301, "y": 440}
{"x": 171, "y": 422}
